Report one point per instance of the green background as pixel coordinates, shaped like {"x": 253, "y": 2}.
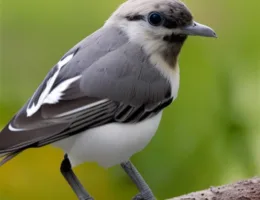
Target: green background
{"x": 208, "y": 136}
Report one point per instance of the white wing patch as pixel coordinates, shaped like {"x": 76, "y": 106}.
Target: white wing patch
{"x": 55, "y": 95}
{"x": 11, "y": 128}
{"x": 57, "y": 92}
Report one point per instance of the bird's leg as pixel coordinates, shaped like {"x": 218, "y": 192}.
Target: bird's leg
{"x": 145, "y": 191}
{"x": 73, "y": 181}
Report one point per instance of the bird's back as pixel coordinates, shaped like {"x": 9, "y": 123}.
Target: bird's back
{"x": 104, "y": 78}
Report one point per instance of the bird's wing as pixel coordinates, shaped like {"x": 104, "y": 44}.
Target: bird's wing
{"x": 103, "y": 79}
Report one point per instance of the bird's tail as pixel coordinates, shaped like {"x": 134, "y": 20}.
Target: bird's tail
{"x": 5, "y": 157}
{"x": 8, "y": 156}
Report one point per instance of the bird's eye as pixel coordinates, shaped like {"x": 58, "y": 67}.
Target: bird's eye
{"x": 155, "y": 19}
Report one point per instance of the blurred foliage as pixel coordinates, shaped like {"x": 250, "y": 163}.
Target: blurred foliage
{"x": 210, "y": 134}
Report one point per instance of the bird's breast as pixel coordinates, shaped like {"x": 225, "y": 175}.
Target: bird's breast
{"x": 110, "y": 144}
{"x": 171, "y": 73}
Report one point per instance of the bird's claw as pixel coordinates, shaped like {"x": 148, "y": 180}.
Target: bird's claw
{"x": 144, "y": 196}
{"x": 138, "y": 197}
{"x": 86, "y": 198}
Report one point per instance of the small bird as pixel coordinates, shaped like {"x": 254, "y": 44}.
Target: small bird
{"x": 103, "y": 100}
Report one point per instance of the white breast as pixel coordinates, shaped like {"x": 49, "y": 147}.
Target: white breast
{"x": 171, "y": 73}
{"x": 110, "y": 144}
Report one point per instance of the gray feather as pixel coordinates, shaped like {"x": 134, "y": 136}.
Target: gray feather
{"x": 111, "y": 68}
{"x": 125, "y": 75}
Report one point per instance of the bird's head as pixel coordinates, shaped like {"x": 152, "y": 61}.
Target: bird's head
{"x": 158, "y": 25}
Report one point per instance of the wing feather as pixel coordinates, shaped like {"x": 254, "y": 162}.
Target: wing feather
{"x": 101, "y": 80}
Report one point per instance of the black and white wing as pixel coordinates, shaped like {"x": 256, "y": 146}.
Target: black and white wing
{"x": 103, "y": 79}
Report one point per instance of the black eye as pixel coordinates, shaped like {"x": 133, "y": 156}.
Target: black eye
{"x": 155, "y": 19}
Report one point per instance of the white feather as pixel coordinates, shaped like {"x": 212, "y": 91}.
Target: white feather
{"x": 110, "y": 144}
{"x": 82, "y": 108}
{"x": 172, "y": 74}
{"x": 11, "y": 128}
{"x": 64, "y": 61}
{"x": 35, "y": 107}
{"x": 57, "y": 92}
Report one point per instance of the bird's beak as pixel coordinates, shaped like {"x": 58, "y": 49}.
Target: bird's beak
{"x": 198, "y": 29}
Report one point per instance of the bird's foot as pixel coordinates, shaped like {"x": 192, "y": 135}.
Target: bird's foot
{"x": 147, "y": 195}
{"x": 86, "y": 198}
{"x": 73, "y": 181}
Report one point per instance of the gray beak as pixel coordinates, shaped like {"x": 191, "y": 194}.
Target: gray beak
{"x": 197, "y": 29}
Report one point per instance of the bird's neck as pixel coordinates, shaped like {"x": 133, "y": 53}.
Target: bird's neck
{"x": 162, "y": 55}
{"x": 171, "y": 73}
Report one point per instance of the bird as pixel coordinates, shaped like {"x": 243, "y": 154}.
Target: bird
{"x": 103, "y": 100}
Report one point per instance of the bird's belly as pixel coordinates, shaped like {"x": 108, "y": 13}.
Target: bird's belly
{"x": 110, "y": 144}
